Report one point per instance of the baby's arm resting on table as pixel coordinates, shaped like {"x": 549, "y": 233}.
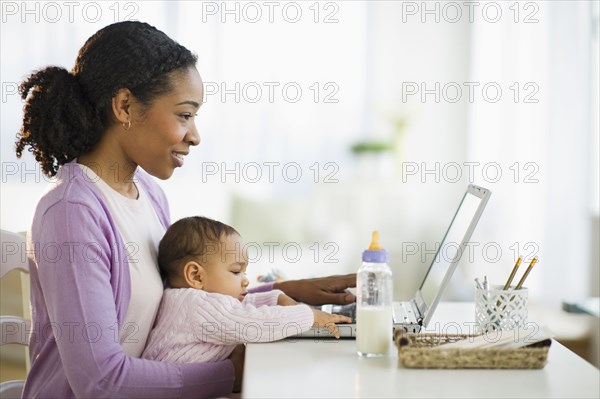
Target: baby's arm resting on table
{"x": 220, "y": 319}
{"x": 277, "y": 297}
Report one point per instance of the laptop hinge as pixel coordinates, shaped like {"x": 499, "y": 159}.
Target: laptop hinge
{"x": 417, "y": 312}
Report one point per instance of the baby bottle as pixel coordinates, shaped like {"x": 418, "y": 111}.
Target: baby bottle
{"x": 374, "y": 302}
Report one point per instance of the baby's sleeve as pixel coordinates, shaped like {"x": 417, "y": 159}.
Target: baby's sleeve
{"x": 259, "y": 299}
{"x": 225, "y": 320}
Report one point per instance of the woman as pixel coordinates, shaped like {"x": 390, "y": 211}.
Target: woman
{"x": 130, "y": 101}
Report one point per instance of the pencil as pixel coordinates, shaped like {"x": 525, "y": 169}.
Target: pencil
{"x": 479, "y": 286}
{"x": 520, "y": 283}
{"x": 512, "y": 274}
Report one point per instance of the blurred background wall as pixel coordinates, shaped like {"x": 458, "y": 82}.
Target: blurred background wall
{"x": 326, "y": 120}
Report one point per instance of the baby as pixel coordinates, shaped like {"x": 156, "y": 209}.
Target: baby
{"x": 208, "y": 309}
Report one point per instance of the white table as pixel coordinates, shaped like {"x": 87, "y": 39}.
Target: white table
{"x": 331, "y": 369}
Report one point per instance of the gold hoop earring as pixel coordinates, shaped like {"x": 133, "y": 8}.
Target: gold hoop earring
{"x": 126, "y": 126}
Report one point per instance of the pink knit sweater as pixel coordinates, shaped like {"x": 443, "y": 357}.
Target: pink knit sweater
{"x": 198, "y": 326}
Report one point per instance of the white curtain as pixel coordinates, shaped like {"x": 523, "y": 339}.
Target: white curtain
{"x": 542, "y": 139}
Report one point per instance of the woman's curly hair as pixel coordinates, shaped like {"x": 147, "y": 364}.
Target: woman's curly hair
{"x": 66, "y": 113}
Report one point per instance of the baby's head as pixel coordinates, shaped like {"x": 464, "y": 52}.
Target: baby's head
{"x": 201, "y": 253}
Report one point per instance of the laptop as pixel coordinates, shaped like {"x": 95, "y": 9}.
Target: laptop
{"x": 411, "y": 316}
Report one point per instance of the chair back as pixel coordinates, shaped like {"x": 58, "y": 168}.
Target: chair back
{"x": 14, "y": 329}
{"x": 14, "y": 253}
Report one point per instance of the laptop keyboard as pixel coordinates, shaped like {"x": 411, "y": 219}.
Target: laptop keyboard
{"x": 345, "y": 310}
{"x": 403, "y": 312}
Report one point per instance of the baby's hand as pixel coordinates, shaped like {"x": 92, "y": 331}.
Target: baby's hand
{"x": 324, "y": 319}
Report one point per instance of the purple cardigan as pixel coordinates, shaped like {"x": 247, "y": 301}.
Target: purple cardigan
{"x": 80, "y": 291}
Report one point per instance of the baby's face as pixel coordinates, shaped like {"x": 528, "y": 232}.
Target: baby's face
{"x": 226, "y": 268}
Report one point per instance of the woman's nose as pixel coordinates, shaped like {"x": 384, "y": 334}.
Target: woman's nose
{"x": 192, "y": 137}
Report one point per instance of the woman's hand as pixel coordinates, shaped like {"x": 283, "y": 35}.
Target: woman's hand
{"x": 326, "y": 320}
{"x": 320, "y": 291}
{"x": 237, "y": 358}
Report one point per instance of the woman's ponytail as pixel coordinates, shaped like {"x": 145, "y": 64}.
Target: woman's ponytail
{"x": 59, "y": 123}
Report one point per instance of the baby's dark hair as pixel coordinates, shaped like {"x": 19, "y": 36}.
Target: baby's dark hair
{"x": 66, "y": 112}
{"x": 189, "y": 239}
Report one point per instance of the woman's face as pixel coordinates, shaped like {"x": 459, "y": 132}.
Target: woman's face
{"x": 160, "y": 137}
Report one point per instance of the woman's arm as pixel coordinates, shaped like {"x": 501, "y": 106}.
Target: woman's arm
{"x": 316, "y": 291}
{"x": 77, "y": 282}
{"x": 320, "y": 291}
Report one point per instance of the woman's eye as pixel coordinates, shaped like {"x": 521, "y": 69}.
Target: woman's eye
{"x": 187, "y": 117}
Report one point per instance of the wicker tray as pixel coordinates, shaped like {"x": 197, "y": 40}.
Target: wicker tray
{"x": 415, "y": 351}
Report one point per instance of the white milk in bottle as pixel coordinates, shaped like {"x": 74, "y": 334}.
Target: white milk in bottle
{"x": 374, "y": 302}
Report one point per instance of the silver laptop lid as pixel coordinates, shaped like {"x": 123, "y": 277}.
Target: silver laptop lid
{"x": 450, "y": 250}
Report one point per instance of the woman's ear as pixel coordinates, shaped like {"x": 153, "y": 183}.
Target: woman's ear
{"x": 121, "y": 104}
{"x": 194, "y": 275}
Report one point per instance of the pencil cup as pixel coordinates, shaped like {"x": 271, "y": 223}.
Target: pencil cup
{"x": 498, "y": 309}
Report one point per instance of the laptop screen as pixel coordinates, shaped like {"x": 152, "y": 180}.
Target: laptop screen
{"x": 450, "y": 247}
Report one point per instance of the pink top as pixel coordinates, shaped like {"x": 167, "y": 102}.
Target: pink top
{"x": 198, "y": 326}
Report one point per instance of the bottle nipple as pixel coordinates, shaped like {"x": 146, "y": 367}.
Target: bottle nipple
{"x": 374, "y": 246}
{"x": 375, "y": 253}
